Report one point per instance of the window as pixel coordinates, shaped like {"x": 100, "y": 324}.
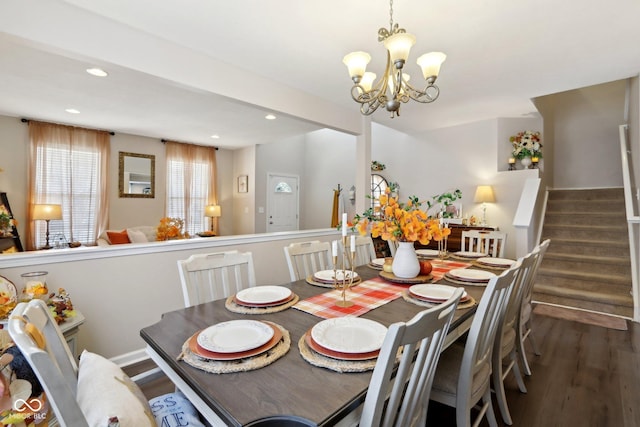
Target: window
{"x": 378, "y": 187}
{"x": 68, "y": 167}
{"x": 191, "y": 177}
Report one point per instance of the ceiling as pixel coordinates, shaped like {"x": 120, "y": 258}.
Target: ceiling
{"x": 500, "y": 55}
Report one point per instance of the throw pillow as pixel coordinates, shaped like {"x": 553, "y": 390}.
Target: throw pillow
{"x": 174, "y": 409}
{"x": 105, "y": 392}
{"x": 136, "y": 236}
{"x": 118, "y": 237}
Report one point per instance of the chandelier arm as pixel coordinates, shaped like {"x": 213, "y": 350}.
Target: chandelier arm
{"x": 428, "y": 95}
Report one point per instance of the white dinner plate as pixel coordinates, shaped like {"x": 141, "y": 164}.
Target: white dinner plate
{"x": 467, "y": 254}
{"x": 496, "y": 262}
{"x": 378, "y": 261}
{"x": 235, "y": 336}
{"x": 471, "y": 275}
{"x": 263, "y": 294}
{"x": 427, "y": 252}
{"x": 327, "y": 275}
{"x": 349, "y": 334}
{"x": 434, "y": 291}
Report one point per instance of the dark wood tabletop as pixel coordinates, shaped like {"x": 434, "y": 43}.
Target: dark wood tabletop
{"x": 290, "y": 385}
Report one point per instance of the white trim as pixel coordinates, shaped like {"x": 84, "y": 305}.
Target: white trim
{"x": 131, "y": 358}
{"x": 55, "y": 256}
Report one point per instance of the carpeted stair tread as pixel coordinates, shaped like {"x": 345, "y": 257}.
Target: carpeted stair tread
{"x": 587, "y": 265}
{"x": 624, "y": 299}
{"x": 609, "y": 278}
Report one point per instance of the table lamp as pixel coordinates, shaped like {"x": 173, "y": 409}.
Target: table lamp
{"x": 47, "y": 213}
{"x": 484, "y": 195}
{"x": 212, "y": 211}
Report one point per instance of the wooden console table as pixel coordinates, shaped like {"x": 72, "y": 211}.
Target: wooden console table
{"x": 454, "y": 241}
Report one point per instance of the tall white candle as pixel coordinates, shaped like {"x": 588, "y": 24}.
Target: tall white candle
{"x": 353, "y": 243}
{"x": 334, "y": 248}
{"x": 344, "y": 224}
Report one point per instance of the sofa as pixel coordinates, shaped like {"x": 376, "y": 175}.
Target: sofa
{"x": 140, "y": 234}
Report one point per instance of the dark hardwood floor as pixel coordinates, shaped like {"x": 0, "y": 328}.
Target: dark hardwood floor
{"x": 586, "y": 376}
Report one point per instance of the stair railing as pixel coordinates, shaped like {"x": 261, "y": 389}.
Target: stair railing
{"x": 633, "y": 217}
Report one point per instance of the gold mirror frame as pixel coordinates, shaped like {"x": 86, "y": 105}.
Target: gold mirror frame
{"x": 148, "y": 189}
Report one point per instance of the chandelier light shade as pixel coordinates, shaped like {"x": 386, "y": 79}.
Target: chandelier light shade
{"x": 393, "y": 88}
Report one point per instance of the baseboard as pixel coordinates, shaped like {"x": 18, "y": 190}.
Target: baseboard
{"x": 130, "y": 358}
{"x": 580, "y": 309}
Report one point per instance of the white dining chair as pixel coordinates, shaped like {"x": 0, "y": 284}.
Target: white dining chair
{"x": 505, "y": 358}
{"x": 365, "y": 251}
{"x": 306, "y": 258}
{"x": 463, "y": 375}
{"x": 85, "y": 395}
{"x": 491, "y": 243}
{"x": 207, "y": 277}
{"x": 402, "y": 399}
{"x": 524, "y": 321}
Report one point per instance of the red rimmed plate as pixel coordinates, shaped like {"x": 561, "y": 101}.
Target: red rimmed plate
{"x": 327, "y": 276}
{"x": 263, "y": 296}
{"x": 470, "y": 275}
{"x": 269, "y": 304}
{"x": 464, "y": 299}
{"x": 308, "y": 339}
{"x": 206, "y": 354}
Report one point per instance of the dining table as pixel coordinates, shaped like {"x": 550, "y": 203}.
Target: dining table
{"x": 290, "y": 386}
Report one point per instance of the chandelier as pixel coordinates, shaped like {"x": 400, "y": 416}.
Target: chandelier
{"x": 393, "y": 87}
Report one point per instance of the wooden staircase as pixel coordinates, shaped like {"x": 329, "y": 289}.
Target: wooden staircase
{"x": 587, "y": 264}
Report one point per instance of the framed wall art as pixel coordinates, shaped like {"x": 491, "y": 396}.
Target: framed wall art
{"x": 243, "y": 184}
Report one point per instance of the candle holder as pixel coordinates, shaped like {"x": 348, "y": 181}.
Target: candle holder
{"x": 442, "y": 246}
{"x": 534, "y": 163}
{"x": 346, "y": 282}
{"x": 512, "y": 164}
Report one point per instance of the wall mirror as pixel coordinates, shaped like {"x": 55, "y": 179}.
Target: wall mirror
{"x": 137, "y": 175}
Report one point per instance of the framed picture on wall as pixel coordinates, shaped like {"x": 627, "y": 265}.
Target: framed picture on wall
{"x": 243, "y": 185}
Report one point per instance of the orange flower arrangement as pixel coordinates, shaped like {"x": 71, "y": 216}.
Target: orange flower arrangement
{"x": 401, "y": 222}
{"x": 171, "y": 229}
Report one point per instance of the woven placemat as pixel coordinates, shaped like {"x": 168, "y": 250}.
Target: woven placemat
{"x": 337, "y": 365}
{"x": 241, "y": 365}
{"x": 313, "y": 282}
{"x": 231, "y": 305}
{"x": 408, "y": 298}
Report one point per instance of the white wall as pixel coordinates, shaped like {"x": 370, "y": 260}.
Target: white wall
{"x": 243, "y": 214}
{"x": 124, "y": 288}
{"x": 330, "y": 161}
{"x": 586, "y": 144}
{"x": 284, "y": 157}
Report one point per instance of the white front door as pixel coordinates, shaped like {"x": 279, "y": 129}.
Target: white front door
{"x": 282, "y": 203}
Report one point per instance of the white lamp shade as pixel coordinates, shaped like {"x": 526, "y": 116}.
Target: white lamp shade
{"x": 357, "y": 62}
{"x": 484, "y": 194}
{"x": 212, "y": 211}
{"x": 399, "y": 45}
{"x": 367, "y": 81}
{"x": 44, "y": 212}
{"x": 430, "y": 63}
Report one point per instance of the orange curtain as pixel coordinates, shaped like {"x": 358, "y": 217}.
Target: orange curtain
{"x": 69, "y": 166}
{"x": 191, "y": 185}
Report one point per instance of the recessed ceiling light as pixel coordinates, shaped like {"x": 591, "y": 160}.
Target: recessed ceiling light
{"x": 270, "y": 117}
{"x": 98, "y": 72}
{"x": 72, "y": 111}
{"x": 215, "y": 136}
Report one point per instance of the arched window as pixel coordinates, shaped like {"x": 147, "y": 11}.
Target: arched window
{"x": 378, "y": 186}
